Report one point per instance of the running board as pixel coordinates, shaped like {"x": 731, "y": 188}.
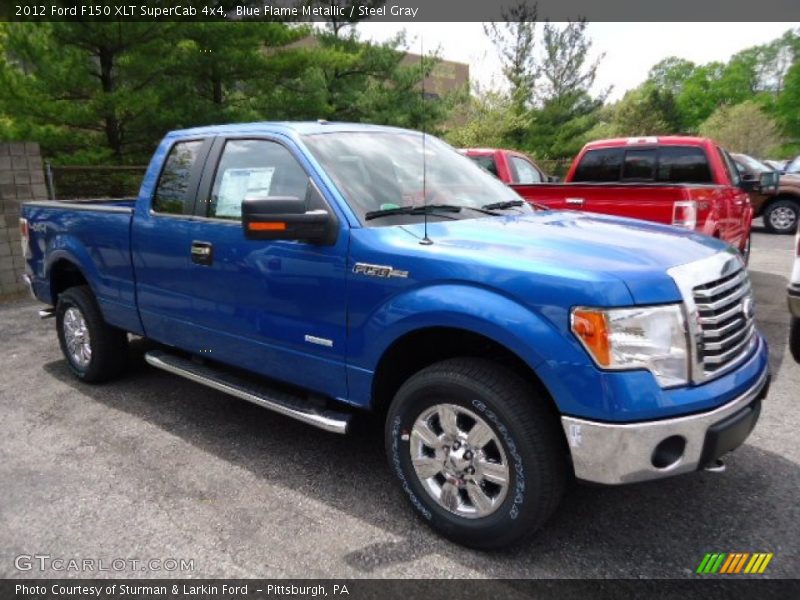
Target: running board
{"x": 262, "y": 395}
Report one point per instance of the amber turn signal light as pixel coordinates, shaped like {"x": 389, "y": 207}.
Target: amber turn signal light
{"x": 591, "y": 327}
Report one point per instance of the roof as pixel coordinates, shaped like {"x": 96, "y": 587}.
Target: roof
{"x": 287, "y": 127}
{"x": 661, "y": 140}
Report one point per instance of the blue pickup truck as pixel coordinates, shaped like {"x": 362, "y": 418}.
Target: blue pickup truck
{"x": 322, "y": 269}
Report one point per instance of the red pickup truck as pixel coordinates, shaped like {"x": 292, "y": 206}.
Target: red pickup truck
{"x": 689, "y": 182}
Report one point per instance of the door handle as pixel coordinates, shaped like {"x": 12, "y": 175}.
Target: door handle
{"x": 575, "y": 201}
{"x": 202, "y": 253}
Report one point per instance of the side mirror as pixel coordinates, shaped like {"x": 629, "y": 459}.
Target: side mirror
{"x": 748, "y": 176}
{"x": 286, "y": 218}
{"x": 768, "y": 182}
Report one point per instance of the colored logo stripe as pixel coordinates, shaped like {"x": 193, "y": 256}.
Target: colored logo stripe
{"x": 734, "y": 562}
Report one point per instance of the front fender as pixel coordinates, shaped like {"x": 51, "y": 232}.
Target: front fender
{"x": 527, "y": 333}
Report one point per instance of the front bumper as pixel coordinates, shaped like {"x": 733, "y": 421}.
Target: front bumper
{"x": 793, "y": 296}
{"x": 615, "y": 453}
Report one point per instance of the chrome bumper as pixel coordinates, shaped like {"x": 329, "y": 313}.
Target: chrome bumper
{"x": 793, "y": 297}
{"x": 612, "y": 454}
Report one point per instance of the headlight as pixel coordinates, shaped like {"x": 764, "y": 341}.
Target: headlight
{"x": 647, "y": 337}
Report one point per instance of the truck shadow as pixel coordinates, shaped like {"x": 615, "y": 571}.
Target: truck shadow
{"x": 655, "y": 529}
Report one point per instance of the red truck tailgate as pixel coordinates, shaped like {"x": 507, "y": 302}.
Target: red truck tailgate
{"x": 638, "y": 201}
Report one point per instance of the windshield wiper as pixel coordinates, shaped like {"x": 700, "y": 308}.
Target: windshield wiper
{"x": 503, "y": 205}
{"x": 412, "y": 210}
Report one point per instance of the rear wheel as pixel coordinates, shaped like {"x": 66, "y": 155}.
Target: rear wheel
{"x": 782, "y": 215}
{"x": 478, "y": 453}
{"x": 95, "y": 351}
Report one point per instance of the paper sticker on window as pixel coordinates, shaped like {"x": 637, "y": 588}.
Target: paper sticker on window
{"x": 238, "y": 183}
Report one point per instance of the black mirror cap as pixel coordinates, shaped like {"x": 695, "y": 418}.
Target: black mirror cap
{"x": 286, "y": 218}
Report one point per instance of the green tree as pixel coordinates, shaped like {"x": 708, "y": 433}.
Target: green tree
{"x": 646, "y": 110}
{"x": 670, "y": 74}
{"x": 486, "y": 119}
{"x": 514, "y": 39}
{"x": 743, "y": 127}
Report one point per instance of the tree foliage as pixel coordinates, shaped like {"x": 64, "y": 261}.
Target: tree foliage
{"x": 104, "y": 92}
{"x": 744, "y": 128}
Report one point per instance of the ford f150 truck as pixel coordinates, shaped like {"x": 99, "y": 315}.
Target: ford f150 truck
{"x": 319, "y": 269}
{"x": 779, "y": 204}
{"x": 689, "y": 182}
{"x": 507, "y": 165}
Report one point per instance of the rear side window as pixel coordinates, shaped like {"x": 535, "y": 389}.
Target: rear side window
{"x": 600, "y": 165}
{"x": 639, "y": 164}
{"x": 172, "y": 191}
{"x": 525, "y": 171}
{"x": 254, "y": 169}
{"x": 487, "y": 162}
{"x": 683, "y": 164}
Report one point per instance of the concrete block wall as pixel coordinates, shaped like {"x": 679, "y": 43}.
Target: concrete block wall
{"x": 21, "y": 179}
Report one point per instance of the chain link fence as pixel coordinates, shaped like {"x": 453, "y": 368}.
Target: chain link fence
{"x": 70, "y": 182}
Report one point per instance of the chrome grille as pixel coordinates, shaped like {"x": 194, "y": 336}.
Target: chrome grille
{"x": 726, "y": 325}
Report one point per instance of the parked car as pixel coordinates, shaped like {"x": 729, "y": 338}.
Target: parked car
{"x": 508, "y": 166}
{"x": 777, "y": 165}
{"x": 779, "y": 204}
{"x": 793, "y": 293}
{"x": 506, "y": 349}
{"x": 689, "y": 182}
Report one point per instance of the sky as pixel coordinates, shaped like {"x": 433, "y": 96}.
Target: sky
{"x": 630, "y": 48}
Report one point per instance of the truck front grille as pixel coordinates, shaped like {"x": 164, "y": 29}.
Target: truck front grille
{"x": 725, "y": 315}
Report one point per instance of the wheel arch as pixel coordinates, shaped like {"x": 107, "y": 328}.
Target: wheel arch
{"x": 63, "y": 274}
{"x": 420, "y": 348}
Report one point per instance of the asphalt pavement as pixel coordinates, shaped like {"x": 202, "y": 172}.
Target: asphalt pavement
{"x": 154, "y": 467}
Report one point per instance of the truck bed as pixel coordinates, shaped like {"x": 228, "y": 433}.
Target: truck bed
{"x": 98, "y": 233}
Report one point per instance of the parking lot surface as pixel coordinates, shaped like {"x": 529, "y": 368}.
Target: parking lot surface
{"x": 156, "y": 467}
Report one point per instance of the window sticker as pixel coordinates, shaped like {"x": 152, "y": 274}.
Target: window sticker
{"x": 240, "y": 183}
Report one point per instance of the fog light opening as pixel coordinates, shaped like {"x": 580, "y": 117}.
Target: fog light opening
{"x": 668, "y": 452}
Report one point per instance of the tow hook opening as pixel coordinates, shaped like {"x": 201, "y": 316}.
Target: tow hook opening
{"x": 668, "y": 452}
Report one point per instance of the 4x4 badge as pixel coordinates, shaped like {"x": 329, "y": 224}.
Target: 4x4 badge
{"x": 378, "y": 271}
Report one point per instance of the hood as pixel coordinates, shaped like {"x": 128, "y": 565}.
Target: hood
{"x": 581, "y": 246}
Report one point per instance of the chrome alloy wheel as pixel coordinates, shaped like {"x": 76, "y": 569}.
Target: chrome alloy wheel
{"x": 783, "y": 218}
{"x": 76, "y": 335}
{"x": 459, "y": 460}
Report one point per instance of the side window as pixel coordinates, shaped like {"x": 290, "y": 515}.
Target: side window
{"x": 683, "y": 164}
{"x": 254, "y": 168}
{"x": 172, "y": 192}
{"x": 526, "y": 172}
{"x": 600, "y": 165}
{"x": 639, "y": 164}
{"x": 487, "y": 162}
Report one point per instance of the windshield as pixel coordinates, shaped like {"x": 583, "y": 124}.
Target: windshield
{"x": 379, "y": 171}
{"x": 752, "y": 164}
{"x": 794, "y": 166}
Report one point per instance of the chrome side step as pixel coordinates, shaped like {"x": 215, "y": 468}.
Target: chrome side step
{"x": 262, "y": 395}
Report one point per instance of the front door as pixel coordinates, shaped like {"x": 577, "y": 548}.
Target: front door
{"x": 273, "y": 307}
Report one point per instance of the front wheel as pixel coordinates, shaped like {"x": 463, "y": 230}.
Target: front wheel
{"x": 478, "y": 452}
{"x": 95, "y": 351}
{"x": 781, "y": 216}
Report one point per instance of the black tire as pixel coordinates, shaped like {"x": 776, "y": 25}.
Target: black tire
{"x": 794, "y": 338}
{"x": 520, "y": 419}
{"x": 109, "y": 345}
{"x": 775, "y": 225}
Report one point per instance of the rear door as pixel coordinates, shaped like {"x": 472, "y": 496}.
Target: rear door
{"x": 160, "y": 242}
